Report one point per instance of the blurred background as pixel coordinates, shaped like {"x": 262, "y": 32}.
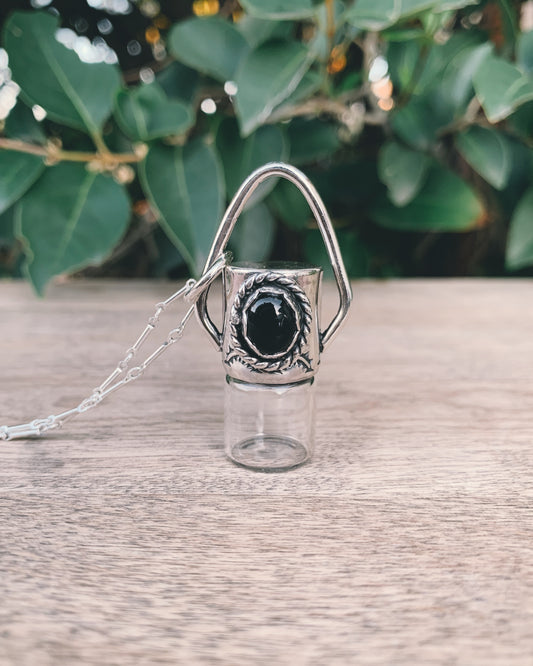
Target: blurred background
{"x": 126, "y": 127}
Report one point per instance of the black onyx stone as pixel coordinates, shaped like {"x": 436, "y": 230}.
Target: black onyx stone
{"x": 271, "y": 326}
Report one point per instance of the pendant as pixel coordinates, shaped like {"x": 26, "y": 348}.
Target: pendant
{"x": 271, "y": 339}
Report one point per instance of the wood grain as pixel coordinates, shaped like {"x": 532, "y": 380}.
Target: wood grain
{"x": 127, "y": 538}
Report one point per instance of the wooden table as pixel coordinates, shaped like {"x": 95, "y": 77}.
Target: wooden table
{"x": 127, "y": 538}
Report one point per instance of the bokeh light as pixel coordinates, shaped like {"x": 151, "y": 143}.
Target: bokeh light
{"x": 87, "y": 51}
{"x": 112, "y": 6}
{"x": 205, "y": 7}
{"x": 208, "y": 106}
{"x": 230, "y": 88}
{"x": 9, "y": 90}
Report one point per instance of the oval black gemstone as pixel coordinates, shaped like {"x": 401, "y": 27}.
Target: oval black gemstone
{"x": 271, "y": 324}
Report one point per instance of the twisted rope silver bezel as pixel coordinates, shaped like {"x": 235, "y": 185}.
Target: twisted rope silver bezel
{"x": 296, "y": 356}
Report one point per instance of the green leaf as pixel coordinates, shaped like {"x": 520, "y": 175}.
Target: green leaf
{"x": 519, "y": 179}
{"x": 145, "y": 113}
{"x": 417, "y": 123}
{"x": 403, "y": 34}
{"x": 445, "y": 80}
{"x": 348, "y": 83}
{"x": 380, "y": 14}
{"x": 445, "y": 203}
{"x": 403, "y": 171}
{"x": 402, "y": 58}
{"x": 436, "y": 20}
{"x": 488, "y": 152}
{"x": 309, "y": 84}
{"x": 253, "y": 236}
{"x": 186, "y": 186}
{"x": 355, "y": 253}
{"x": 521, "y": 121}
{"x": 242, "y": 156}
{"x": 168, "y": 258}
{"x": 7, "y": 224}
{"x": 524, "y": 51}
{"x": 347, "y": 186}
{"x": 266, "y": 77}
{"x": 211, "y": 45}
{"x": 18, "y": 171}
{"x": 70, "y": 218}
{"x": 179, "y": 82}
{"x": 280, "y": 9}
{"x": 501, "y": 88}
{"x": 519, "y": 252}
{"x": 290, "y": 205}
{"x": 456, "y": 81}
{"x": 443, "y": 88}
{"x": 72, "y": 92}
{"x": 256, "y": 31}
{"x": 312, "y": 140}
{"x": 21, "y": 124}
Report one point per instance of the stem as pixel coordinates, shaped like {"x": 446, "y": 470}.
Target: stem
{"x": 340, "y": 109}
{"x": 58, "y": 155}
{"x": 330, "y": 36}
{"x": 510, "y": 27}
{"x": 99, "y": 143}
{"x": 228, "y": 8}
{"x": 469, "y": 118}
{"x": 315, "y": 106}
{"x": 139, "y": 234}
{"x": 330, "y": 23}
{"x": 22, "y": 147}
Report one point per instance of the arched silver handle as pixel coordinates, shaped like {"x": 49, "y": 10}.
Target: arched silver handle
{"x": 320, "y": 213}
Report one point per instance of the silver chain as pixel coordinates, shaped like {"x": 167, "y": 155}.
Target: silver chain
{"x": 189, "y": 292}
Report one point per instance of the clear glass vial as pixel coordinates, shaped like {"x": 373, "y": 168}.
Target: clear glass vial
{"x": 269, "y": 427}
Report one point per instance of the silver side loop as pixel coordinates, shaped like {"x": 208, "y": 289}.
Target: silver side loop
{"x": 211, "y": 272}
{"x": 295, "y": 176}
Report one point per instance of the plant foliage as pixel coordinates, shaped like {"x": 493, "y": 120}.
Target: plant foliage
{"x": 414, "y": 119}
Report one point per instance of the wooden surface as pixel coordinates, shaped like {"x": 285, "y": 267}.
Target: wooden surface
{"x": 127, "y": 538}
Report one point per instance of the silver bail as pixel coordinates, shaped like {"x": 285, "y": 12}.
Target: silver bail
{"x": 292, "y": 290}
